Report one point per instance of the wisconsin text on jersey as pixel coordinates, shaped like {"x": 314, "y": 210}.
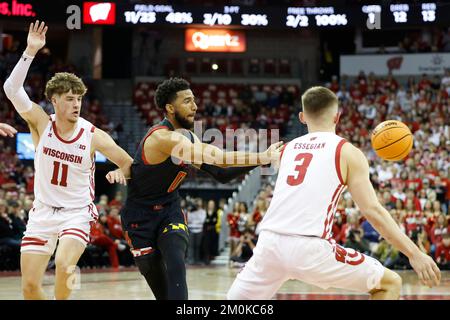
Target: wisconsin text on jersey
{"x": 62, "y": 155}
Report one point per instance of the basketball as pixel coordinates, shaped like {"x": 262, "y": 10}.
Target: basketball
{"x": 392, "y": 140}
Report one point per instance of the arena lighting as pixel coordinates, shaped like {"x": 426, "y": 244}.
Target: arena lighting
{"x": 214, "y": 40}
{"x": 215, "y": 66}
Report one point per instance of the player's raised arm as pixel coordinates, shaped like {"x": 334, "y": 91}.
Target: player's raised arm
{"x": 7, "y": 130}
{"x": 364, "y": 195}
{"x": 29, "y": 111}
{"x": 105, "y": 144}
{"x": 176, "y": 145}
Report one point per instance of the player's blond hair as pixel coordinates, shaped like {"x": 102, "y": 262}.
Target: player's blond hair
{"x": 317, "y": 100}
{"x": 63, "y": 82}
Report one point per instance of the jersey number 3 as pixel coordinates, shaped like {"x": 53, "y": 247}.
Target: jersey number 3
{"x": 65, "y": 169}
{"x": 301, "y": 169}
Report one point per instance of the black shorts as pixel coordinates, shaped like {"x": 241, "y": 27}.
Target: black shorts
{"x": 144, "y": 226}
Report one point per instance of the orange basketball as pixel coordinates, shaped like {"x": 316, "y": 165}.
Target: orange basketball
{"x": 392, "y": 140}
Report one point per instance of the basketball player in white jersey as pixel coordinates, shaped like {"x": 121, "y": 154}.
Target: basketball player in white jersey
{"x": 65, "y": 144}
{"x": 295, "y": 240}
{"x": 6, "y": 130}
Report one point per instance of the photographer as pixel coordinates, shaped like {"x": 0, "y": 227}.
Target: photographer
{"x": 244, "y": 249}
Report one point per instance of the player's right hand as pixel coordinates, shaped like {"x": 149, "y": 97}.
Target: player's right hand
{"x": 7, "y": 130}
{"x": 116, "y": 176}
{"x": 427, "y": 270}
{"x": 36, "y": 37}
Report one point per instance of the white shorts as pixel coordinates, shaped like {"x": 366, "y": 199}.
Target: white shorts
{"x": 47, "y": 224}
{"x": 278, "y": 258}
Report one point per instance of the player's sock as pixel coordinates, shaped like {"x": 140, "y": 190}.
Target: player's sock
{"x": 173, "y": 248}
{"x": 153, "y": 269}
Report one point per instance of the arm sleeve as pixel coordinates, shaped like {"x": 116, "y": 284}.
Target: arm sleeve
{"x": 14, "y": 85}
{"x": 224, "y": 175}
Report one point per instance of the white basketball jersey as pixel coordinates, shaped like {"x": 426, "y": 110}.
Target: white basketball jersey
{"x": 64, "y": 170}
{"x": 308, "y": 187}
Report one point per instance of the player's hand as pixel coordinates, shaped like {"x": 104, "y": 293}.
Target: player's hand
{"x": 273, "y": 153}
{"x": 427, "y": 270}
{"x": 116, "y": 176}
{"x": 36, "y": 37}
{"x": 7, "y": 130}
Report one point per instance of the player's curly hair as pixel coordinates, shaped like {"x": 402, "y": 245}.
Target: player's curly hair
{"x": 63, "y": 82}
{"x": 167, "y": 91}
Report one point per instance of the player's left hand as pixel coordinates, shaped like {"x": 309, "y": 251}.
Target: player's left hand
{"x": 7, "y": 130}
{"x": 116, "y": 176}
{"x": 273, "y": 153}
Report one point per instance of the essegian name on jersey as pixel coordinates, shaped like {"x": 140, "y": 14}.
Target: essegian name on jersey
{"x": 309, "y": 146}
{"x": 62, "y": 155}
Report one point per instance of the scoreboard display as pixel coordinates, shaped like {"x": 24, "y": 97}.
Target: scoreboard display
{"x": 388, "y": 16}
{"x": 120, "y": 13}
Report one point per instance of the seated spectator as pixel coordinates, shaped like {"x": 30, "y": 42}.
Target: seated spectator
{"x": 386, "y": 253}
{"x": 356, "y": 241}
{"x": 420, "y": 237}
{"x": 8, "y": 236}
{"x": 442, "y": 254}
{"x": 117, "y": 201}
{"x": 439, "y": 229}
{"x": 370, "y": 235}
{"x": 100, "y": 238}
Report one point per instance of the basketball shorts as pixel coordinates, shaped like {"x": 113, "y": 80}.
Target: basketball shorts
{"x": 144, "y": 226}
{"x": 323, "y": 263}
{"x": 46, "y": 225}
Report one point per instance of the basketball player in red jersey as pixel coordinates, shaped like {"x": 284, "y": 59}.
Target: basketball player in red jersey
{"x": 65, "y": 144}
{"x": 295, "y": 240}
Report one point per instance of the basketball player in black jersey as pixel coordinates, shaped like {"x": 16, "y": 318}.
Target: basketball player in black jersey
{"x": 153, "y": 221}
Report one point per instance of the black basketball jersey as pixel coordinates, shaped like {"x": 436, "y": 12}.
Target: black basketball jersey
{"x": 155, "y": 183}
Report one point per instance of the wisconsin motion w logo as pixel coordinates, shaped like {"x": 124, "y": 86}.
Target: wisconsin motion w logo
{"x": 99, "y": 13}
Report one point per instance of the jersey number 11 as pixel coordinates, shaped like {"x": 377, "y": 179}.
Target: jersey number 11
{"x": 65, "y": 169}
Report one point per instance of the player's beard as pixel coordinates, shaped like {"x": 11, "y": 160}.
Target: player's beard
{"x": 183, "y": 122}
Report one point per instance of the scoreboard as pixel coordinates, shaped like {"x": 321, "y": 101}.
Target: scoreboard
{"x": 388, "y": 16}
{"x": 384, "y": 15}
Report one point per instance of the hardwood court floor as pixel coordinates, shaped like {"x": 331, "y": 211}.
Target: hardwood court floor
{"x": 205, "y": 283}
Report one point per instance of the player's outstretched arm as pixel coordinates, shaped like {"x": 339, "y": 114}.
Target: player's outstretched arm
{"x": 29, "y": 111}
{"x": 7, "y": 130}
{"x": 105, "y": 144}
{"x": 364, "y": 195}
{"x": 178, "y": 146}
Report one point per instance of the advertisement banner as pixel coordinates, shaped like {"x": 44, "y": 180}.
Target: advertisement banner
{"x": 214, "y": 40}
{"x": 399, "y": 64}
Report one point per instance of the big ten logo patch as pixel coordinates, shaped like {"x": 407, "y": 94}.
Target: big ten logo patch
{"x": 80, "y": 146}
